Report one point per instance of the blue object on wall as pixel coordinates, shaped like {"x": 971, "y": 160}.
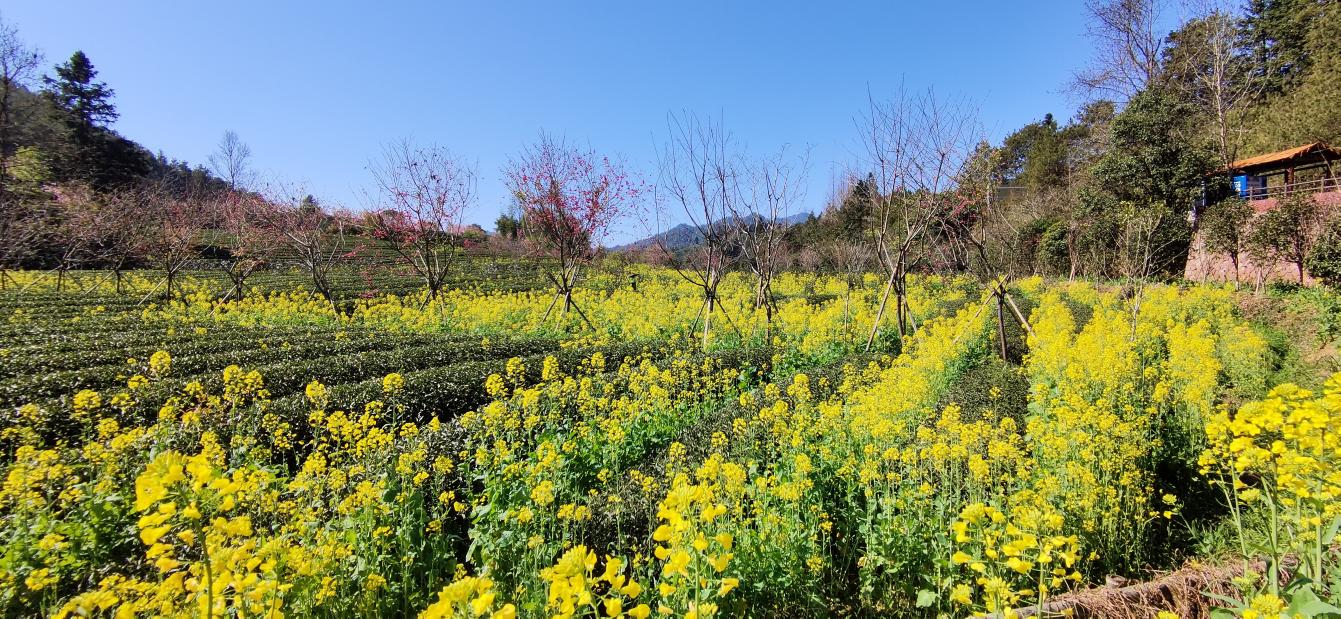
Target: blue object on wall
{"x": 1248, "y": 186}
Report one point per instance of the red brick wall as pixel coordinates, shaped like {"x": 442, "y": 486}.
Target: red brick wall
{"x": 1205, "y": 266}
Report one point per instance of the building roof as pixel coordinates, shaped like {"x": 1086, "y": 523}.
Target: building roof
{"x": 1317, "y": 152}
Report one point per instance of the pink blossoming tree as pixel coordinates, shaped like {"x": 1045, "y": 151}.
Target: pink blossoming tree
{"x": 568, "y": 198}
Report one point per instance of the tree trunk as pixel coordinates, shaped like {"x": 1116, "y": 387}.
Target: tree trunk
{"x": 707, "y": 318}
{"x": 847, "y": 302}
{"x": 1015, "y": 310}
{"x": 901, "y": 304}
{"x": 879, "y": 313}
{"x": 1072, "y": 255}
{"x": 1001, "y": 325}
{"x": 323, "y": 287}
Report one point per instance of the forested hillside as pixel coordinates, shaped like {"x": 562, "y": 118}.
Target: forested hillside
{"x": 1094, "y": 194}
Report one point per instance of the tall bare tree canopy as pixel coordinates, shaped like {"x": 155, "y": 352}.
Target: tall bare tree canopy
{"x": 774, "y": 187}
{"x": 915, "y": 146}
{"x": 231, "y": 161}
{"x": 569, "y": 197}
{"x": 1128, "y": 48}
{"x": 701, "y": 173}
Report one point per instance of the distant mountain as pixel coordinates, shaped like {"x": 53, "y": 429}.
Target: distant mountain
{"x": 796, "y": 219}
{"x": 686, "y": 235}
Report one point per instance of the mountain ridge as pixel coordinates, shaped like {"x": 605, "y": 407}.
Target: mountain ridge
{"x": 687, "y": 235}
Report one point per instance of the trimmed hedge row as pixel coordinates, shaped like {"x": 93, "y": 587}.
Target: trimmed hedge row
{"x": 115, "y": 348}
{"x": 447, "y": 390}
{"x": 41, "y": 386}
{"x": 60, "y": 330}
{"x": 69, "y": 302}
{"x": 290, "y": 377}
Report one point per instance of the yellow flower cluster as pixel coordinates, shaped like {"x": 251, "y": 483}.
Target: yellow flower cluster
{"x": 665, "y": 303}
{"x": 1291, "y": 441}
{"x": 468, "y": 597}
{"x": 219, "y": 526}
{"x": 573, "y": 583}
{"x": 694, "y": 559}
{"x": 1011, "y": 558}
{"x": 1281, "y": 457}
{"x": 1114, "y": 397}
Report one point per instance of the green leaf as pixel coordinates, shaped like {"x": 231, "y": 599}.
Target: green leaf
{"x": 1330, "y": 533}
{"x": 1305, "y": 603}
{"x": 1299, "y": 582}
{"x": 1233, "y": 603}
{"x": 925, "y": 598}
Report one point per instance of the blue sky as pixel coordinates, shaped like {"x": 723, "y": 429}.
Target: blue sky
{"x": 317, "y": 88}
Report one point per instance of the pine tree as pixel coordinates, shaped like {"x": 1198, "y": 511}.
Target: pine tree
{"x": 1274, "y": 37}
{"x": 1034, "y": 156}
{"x": 87, "y": 101}
{"x": 94, "y": 153}
{"x": 1308, "y": 112}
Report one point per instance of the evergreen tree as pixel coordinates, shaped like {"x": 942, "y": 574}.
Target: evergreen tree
{"x": 1035, "y": 156}
{"x": 93, "y": 153}
{"x": 853, "y": 213}
{"x": 1154, "y": 170}
{"x": 87, "y": 101}
{"x": 1324, "y": 258}
{"x": 1225, "y": 226}
{"x": 1274, "y": 38}
{"x": 507, "y": 226}
{"x": 1309, "y": 111}
{"x": 1286, "y": 233}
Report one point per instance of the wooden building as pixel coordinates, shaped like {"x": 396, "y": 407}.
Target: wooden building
{"x": 1313, "y": 169}
{"x": 1310, "y": 168}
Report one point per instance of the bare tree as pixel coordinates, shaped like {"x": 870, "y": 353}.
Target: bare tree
{"x": 810, "y": 260}
{"x": 23, "y": 227}
{"x": 176, "y": 225}
{"x": 775, "y": 186}
{"x": 969, "y": 224}
{"x": 317, "y": 241}
{"x": 18, "y": 68}
{"x": 1208, "y": 67}
{"x": 123, "y": 230}
{"x": 700, "y": 175}
{"x": 914, "y": 145}
{"x": 91, "y": 229}
{"x": 77, "y": 220}
{"x": 655, "y": 254}
{"x": 850, "y": 257}
{"x": 1128, "y": 47}
{"x": 424, "y": 192}
{"x": 251, "y": 245}
{"x": 231, "y": 161}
